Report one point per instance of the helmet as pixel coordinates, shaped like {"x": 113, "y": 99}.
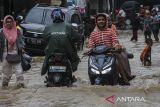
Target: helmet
{"x": 19, "y": 19}
{"x": 57, "y": 14}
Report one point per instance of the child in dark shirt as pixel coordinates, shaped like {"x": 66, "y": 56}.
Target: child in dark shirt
{"x": 145, "y": 56}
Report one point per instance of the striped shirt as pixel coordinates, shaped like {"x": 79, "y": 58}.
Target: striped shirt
{"x": 106, "y": 37}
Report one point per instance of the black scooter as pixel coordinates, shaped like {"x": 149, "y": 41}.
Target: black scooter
{"x": 102, "y": 66}
{"x": 59, "y": 72}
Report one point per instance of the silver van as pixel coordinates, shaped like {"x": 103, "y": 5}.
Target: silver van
{"x": 36, "y": 21}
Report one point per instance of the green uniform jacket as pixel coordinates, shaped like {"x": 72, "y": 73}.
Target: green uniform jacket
{"x": 60, "y": 37}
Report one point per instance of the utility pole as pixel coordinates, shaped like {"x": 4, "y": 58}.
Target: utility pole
{"x": 1, "y": 9}
{"x": 108, "y": 6}
{"x": 100, "y": 6}
{"x": 10, "y": 11}
{"x": 113, "y": 9}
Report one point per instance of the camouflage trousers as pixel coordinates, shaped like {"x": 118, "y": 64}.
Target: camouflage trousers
{"x": 8, "y": 69}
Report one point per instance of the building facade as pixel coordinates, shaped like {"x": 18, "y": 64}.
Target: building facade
{"x": 14, "y": 7}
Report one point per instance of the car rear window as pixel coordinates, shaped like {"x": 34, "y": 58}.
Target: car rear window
{"x": 48, "y": 20}
{"x": 35, "y": 16}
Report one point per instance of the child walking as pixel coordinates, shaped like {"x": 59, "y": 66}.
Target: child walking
{"x": 145, "y": 56}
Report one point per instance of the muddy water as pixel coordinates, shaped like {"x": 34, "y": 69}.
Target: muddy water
{"x": 143, "y": 92}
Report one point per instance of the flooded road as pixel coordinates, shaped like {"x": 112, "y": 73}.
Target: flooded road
{"x": 143, "y": 92}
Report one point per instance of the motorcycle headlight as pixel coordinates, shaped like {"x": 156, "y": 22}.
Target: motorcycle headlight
{"x": 109, "y": 64}
{"x": 106, "y": 70}
{"x": 95, "y": 71}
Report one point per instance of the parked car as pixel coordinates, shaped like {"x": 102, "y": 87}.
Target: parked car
{"x": 36, "y": 21}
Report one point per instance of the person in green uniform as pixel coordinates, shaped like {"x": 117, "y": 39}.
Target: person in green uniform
{"x": 60, "y": 37}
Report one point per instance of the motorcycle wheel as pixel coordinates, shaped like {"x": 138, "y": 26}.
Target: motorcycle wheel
{"x": 69, "y": 80}
{"x": 92, "y": 79}
{"x": 48, "y": 80}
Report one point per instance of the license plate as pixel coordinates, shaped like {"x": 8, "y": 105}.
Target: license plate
{"x": 57, "y": 68}
{"x": 34, "y": 41}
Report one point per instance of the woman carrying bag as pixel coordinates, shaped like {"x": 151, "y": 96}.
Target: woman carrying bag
{"x": 11, "y": 48}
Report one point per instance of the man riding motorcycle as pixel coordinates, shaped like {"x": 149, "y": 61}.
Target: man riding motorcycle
{"x": 121, "y": 17}
{"x": 60, "y": 37}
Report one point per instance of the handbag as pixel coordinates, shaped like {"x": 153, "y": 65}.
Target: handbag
{"x": 12, "y": 58}
{"x": 25, "y": 62}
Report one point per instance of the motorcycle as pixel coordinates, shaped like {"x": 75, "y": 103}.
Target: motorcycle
{"x": 123, "y": 24}
{"x": 59, "y": 72}
{"x": 102, "y": 66}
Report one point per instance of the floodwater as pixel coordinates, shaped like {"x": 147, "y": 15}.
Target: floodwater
{"x": 143, "y": 92}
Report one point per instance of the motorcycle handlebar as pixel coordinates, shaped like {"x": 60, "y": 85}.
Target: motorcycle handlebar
{"x": 111, "y": 50}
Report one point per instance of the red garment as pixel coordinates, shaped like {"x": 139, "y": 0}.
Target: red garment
{"x": 106, "y": 37}
{"x": 145, "y": 51}
{"x": 10, "y": 34}
{"x": 114, "y": 29}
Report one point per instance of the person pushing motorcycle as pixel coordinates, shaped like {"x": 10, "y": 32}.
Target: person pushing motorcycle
{"x": 102, "y": 35}
{"x": 61, "y": 37}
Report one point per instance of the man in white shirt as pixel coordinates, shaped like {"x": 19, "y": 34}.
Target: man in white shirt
{"x": 122, "y": 13}
{"x": 121, "y": 16}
